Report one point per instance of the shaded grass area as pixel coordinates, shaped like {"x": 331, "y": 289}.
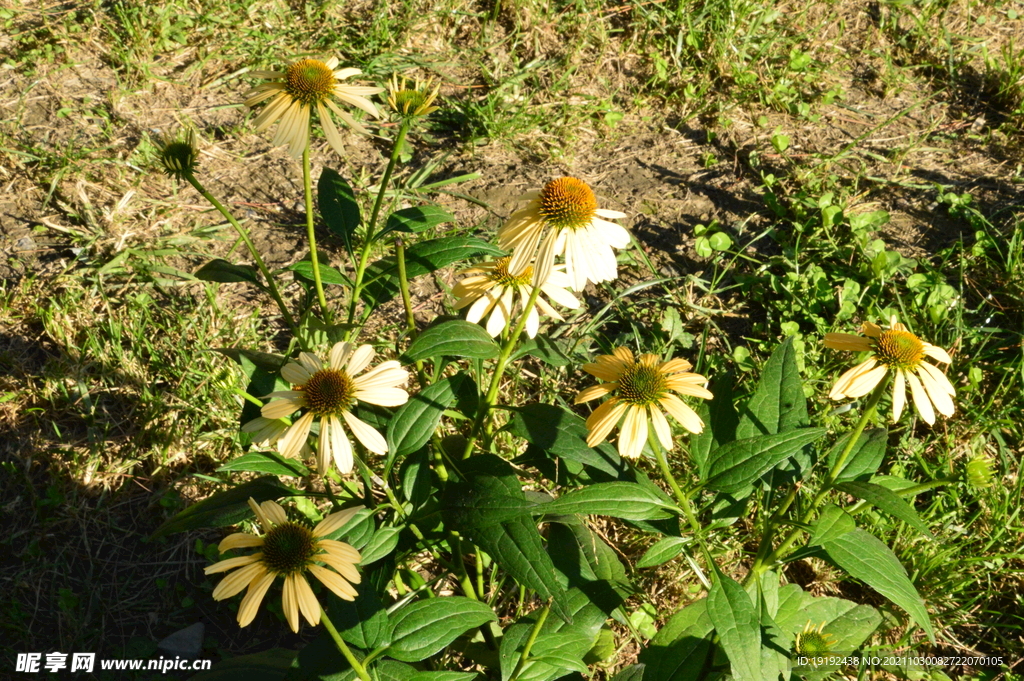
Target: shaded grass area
{"x": 803, "y": 166}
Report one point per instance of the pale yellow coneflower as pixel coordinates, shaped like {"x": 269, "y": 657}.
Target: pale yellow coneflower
{"x": 563, "y": 217}
{"x": 329, "y": 393}
{"x": 492, "y": 290}
{"x": 642, "y": 389}
{"x": 288, "y": 549}
{"x": 412, "y": 102}
{"x": 901, "y": 353}
{"x": 304, "y": 85}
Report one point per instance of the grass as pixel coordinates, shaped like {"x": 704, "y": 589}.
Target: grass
{"x": 838, "y": 161}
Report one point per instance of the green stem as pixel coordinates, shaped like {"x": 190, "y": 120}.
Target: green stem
{"x": 684, "y": 501}
{"x": 869, "y": 411}
{"x": 499, "y": 370}
{"x": 410, "y": 319}
{"x": 243, "y": 234}
{"x": 356, "y": 665}
{"x": 371, "y": 225}
{"x": 534, "y": 633}
{"x": 307, "y": 188}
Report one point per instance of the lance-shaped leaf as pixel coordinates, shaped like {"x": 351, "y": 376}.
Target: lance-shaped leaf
{"x": 416, "y": 420}
{"x": 778, "y": 403}
{"x": 328, "y": 275}
{"x": 563, "y": 434}
{"x": 338, "y": 206}
{"x": 735, "y": 465}
{"x": 737, "y": 626}
{"x": 626, "y": 500}
{"x": 362, "y": 622}
{"x": 228, "y": 507}
{"x": 423, "y": 628}
{"x": 479, "y": 507}
{"x": 415, "y": 219}
{"x": 865, "y": 457}
{"x": 885, "y": 500}
{"x": 681, "y": 650}
{"x": 222, "y": 271}
{"x": 269, "y": 463}
{"x": 453, "y": 338}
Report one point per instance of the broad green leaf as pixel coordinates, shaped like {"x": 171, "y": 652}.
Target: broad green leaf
{"x": 570, "y": 640}
{"x": 719, "y": 414}
{"x": 544, "y": 349}
{"x": 737, "y": 626}
{"x": 357, "y": 532}
{"x": 415, "y": 477}
{"x": 831, "y": 523}
{"x": 778, "y": 403}
{"x": 736, "y": 464}
{"x": 328, "y": 275}
{"x": 590, "y": 566}
{"x": 270, "y": 463}
{"x": 563, "y": 434}
{"x": 453, "y": 338}
{"x": 269, "y": 665}
{"x": 225, "y": 272}
{"x": 444, "y": 675}
{"x": 681, "y": 650}
{"x": 415, "y": 219}
{"x": 634, "y": 672}
{"x": 662, "y": 551}
{"x": 227, "y": 507}
{"x": 362, "y": 622}
{"x": 390, "y": 670}
{"x": 338, "y": 206}
{"x": 626, "y": 500}
{"x": 865, "y": 457}
{"x": 866, "y": 558}
{"x": 512, "y": 640}
{"x": 422, "y": 628}
{"x": 383, "y": 543}
{"x": 381, "y": 280}
{"x": 514, "y": 543}
{"x": 885, "y": 500}
{"x": 415, "y": 421}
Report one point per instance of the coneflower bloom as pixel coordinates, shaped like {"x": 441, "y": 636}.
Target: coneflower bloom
{"x": 641, "y": 389}
{"x": 288, "y": 549}
{"x": 901, "y": 353}
{"x": 329, "y": 393}
{"x": 492, "y": 289}
{"x": 563, "y": 217}
{"x": 303, "y": 86}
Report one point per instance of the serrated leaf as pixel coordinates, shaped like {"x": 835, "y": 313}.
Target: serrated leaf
{"x": 362, "y": 622}
{"x": 338, "y": 206}
{"x": 515, "y": 543}
{"x": 328, "y": 275}
{"x": 737, "y": 626}
{"x": 866, "y": 558}
{"x": 681, "y": 649}
{"x": 736, "y": 464}
{"x": 415, "y": 219}
{"x": 228, "y": 507}
{"x": 453, "y": 338}
{"x": 626, "y": 500}
{"x": 885, "y": 500}
{"x": 382, "y": 544}
{"x": 564, "y": 435}
{"x": 662, "y": 551}
{"x": 381, "y": 280}
{"x": 865, "y": 457}
{"x": 422, "y": 628}
{"x": 778, "y": 403}
{"x": 224, "y": 272}
{"x": 270, "y": 463}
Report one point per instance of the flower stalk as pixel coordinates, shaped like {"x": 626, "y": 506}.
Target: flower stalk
{"x": 307, "y": 189}
{"x": 345, "y": 651}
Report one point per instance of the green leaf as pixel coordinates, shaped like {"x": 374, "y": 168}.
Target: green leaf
{"x": 544, "y": 349}
{"x": 663, "y": 551}
{"x": 512, "y": 640}
{"x": 383, "y": 543}
{"x": 721, "y": 418}
{"x": 865, "y": 557}
{"x": 415, "y": 421}
{"x": 270, "y": 463}
{"x": 269, "y": 665}
{"x": 338, "y": 206}
{"x": 228, "y": 507}
{"x": 563, "y": 434}
{"x": 735, "y": 465}
{"x": 422, "y": 628}
{"x": 681, "y": 650}
{"x": 225, "y": 272}
{"x": 381, "y": 281}
{"x": 634, "y": 672}
{"x": 515, "y": 543}
{"x": 831, "y": 523}
{"x": 849, "y": 624}
{"x": 778, "y": 403}
{"x": 886, "y": 500}
{"x": 865, "y": 457}
{"x": 415, "y": 477}
{"x": 328, "y": 275}
{"x": 444, "y": 676}
{"x": 362, "y": 622}
{"x": 390, "y": 670}
{"x": 626, "y": 500}
{"x": 737, "y": 626}
{"x": 264, "y": 360}
{"x": 590, "y": 566}
{"x": 453, "y": 338}
{"x": 415, "y": 219}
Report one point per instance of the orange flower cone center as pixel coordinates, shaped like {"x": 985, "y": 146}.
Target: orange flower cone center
{"x": 568, "y": 203}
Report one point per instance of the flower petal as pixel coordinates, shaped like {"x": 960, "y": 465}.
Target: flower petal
{"x": 360, "y": 359}
{"x": 335, "y": 521}
{"x": 633, "y": 433}
{"x": 369, "y": 437}
{"x": 603, "y": 420}
{"x": 292, "y": 441}
{"x": 921, "y": 401}
{"x": 681, "y": 412}
{"x": 250, "y": 604}
{"x": 594, "y": 391}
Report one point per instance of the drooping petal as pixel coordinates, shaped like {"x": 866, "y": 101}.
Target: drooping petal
{"x": 847, "y": 341}
{"x": 594, "y": 391}
{"x": 239, "y": 540}
{"x": 341, "y": 448}
{"x": 335, "y": 582}
{"x": 633, "y": 433}
{"x": 360, "y": 359}
{"x": 369, "y": 437}
{"x": 239, "y": 579}
{"x": 679, "y": 410}
{"x": 290, "y": 602}
{"x": 292, "y": 441}
{"x": 603, "y": 420}
{"x": 295, "y": 373}
{"x": 661, "y": 427}
{"x": 308, "y": 605}
{"x": 936, "y": 390}
{"x": 899, "y": 395}
{"x": 921, "y": 401}
{"x": 340, "y": 352}
{"x": 335, "y": 521}
{"x": 250, "y": 604}
{"x": 937, "y": 353}
{"x": 232, "y": 563}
